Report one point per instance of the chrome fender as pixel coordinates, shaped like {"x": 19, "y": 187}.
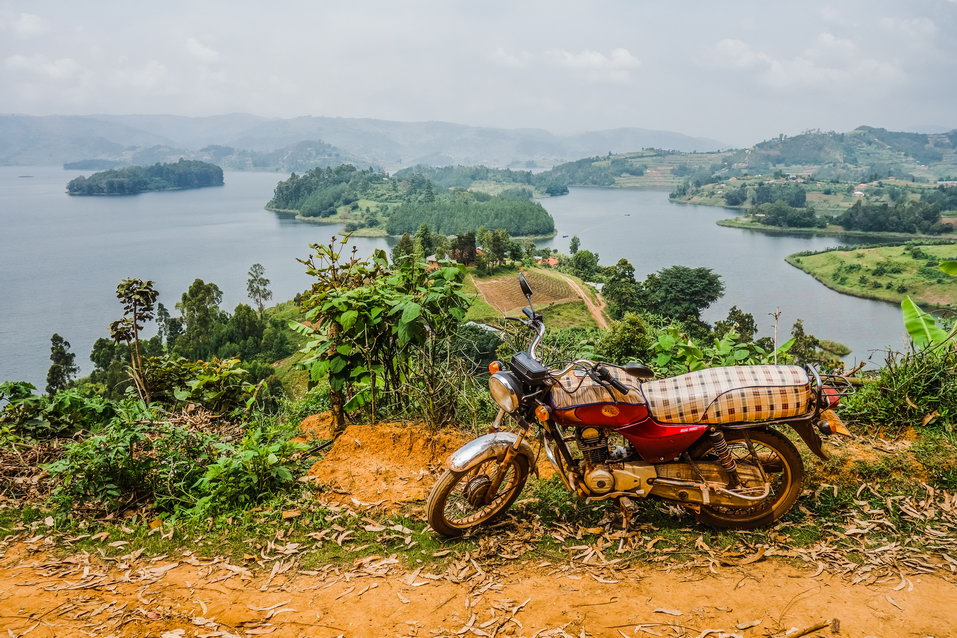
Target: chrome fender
{"x": 487, "y": 447}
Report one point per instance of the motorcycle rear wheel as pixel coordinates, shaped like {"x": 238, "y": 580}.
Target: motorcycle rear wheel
{"x": 784, "y": 467}
{"x": 459, "y": 501}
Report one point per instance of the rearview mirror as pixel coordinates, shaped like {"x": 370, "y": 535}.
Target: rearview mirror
{"x": 526, "y": 289}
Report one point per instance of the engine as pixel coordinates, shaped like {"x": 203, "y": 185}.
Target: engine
{"x": 604, "y": 468}
{"x": 593, "y": 444}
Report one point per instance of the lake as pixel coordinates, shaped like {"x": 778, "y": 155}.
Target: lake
{"x": 62, "y": 257}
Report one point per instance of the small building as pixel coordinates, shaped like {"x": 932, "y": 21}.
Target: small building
{"x": 549, "y": 262}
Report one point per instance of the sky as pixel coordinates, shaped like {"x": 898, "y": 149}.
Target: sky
{"x": 738, "y": 71}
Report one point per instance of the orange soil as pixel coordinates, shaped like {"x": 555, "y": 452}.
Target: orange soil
{"x": 384, "y": 464}
{"x": 186, "y": 596}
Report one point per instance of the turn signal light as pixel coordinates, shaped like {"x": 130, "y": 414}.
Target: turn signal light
{"x": 495, "y": 367}
{"x": 542, "y": 413}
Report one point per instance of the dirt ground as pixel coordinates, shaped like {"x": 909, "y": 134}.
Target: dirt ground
{"x": 386, "y": 465}
{"x": 187, "y": 596}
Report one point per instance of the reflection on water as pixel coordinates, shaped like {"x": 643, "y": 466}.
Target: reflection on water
{"x": 62, "y": 257}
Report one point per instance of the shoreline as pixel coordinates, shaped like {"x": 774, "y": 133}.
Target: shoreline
{"x": 369, "y": 232}
{"x": 733, "y": 222}
{"x": 927, "y": 305}
{"x": 151, "y": 190}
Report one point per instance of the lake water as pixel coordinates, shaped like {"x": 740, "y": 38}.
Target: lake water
{"x": 61, "y": 257}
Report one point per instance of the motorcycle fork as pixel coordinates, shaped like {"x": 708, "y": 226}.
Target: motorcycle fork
{"x": 510, "y": 453}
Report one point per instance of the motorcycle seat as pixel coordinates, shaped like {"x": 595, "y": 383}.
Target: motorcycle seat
{"x": 733, "y": 394}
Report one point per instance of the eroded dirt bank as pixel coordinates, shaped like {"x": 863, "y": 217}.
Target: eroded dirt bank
{"x": 170, "y": 597}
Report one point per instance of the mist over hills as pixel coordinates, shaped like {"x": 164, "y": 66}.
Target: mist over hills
{"x": 56, "y": 139}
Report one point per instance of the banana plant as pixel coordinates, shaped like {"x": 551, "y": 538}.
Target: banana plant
{"x": 923, "y": 329}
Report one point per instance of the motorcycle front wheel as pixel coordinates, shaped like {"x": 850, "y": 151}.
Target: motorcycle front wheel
{"x": 460, "y": 501}
{"x": 784, "y": 468}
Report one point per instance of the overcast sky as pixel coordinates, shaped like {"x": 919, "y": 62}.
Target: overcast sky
{"x": 737, "y": 71}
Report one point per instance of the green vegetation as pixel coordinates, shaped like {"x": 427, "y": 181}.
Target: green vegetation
{"x": 368, "y": 199}
{"x": 494, "y": 181}
{"x": 140, "y": 179}
{"x": 888, "y": 272}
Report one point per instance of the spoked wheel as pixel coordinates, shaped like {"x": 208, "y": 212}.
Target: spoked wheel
{"x": 784, "y": 469}
{"x": 460, "y": 501}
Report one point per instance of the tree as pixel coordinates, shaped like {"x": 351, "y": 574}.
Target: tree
{"x": 257, "y": 287}
{"x": 462, "y": 249}
{"x": 680, "y": 292}
{"x": 621, "y": 289}
{"x": 63, "y": 368}
{"x": 574, "y": 244}
{"x": 199, "y": 307}
{"x": 630, "y": 339}
{"x": 584, "y": 264}
{"x": 403, "y": 248}
{"x": 741, "y": 322}
{"x": 424, "y": 239}
{"x": 138, "y": 298}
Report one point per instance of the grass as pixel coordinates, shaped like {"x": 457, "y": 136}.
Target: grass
{"x": 888, "y": 273}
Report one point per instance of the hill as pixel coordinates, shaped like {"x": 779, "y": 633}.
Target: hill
{"x": 856, "y": 154}
{"x": 57, "y": 139}
{"x": 864, "y": 154}
{"x": 375, "y": 203}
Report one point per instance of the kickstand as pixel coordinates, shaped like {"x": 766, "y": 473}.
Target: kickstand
{"x": 627, "y": 507}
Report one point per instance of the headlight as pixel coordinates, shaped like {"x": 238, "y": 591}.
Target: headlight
{"x": 503, "y": 387}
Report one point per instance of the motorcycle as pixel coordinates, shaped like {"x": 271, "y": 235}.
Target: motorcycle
{"x": 708, "y": 440}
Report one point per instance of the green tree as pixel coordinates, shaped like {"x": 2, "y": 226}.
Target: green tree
{"x": 584, "y": 264}
{"x": 403, "y": 248}
{"x": 199, "y": 307}
{"x": 257, "y": 287}
{"x": 63, "y": 366}
{"x": 621, "y": 290}
{"x": 630, "y": 339}
{"x": 680, "y": 292}
{"x": 574, "y": 244}
{"x": 139, "y": 299}
{"x": 741, "y": 322}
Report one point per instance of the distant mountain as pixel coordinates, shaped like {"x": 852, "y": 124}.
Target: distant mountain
{"x": 866, "y": 148}
{"x": 390, "y": 144}
{"x": 55, "y": 139}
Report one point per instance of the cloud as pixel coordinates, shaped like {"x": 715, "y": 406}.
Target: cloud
{"x": 617, "y": 59}
{"x": 28, "y": 25}
{"x": 614, "y": 67}
{"x": 828, "y": 63}
{"x": 54, "y": 69}
{"x": 918, "y": 28}
{"x": 201, "y": 52}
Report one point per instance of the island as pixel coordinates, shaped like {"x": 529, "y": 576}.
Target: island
{"x": 370, "y": 202}
{"x": 132, "y": 180}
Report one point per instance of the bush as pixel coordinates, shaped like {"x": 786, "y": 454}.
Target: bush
{"x": 259, "y": 466}
{"x": 42, "y": 417}
{"x": 912, "y": 390}
{"x": 172, "y": 467}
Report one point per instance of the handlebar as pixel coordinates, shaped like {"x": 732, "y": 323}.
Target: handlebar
{"x": 603, "y": 375}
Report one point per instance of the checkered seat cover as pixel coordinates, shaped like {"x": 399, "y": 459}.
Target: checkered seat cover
{"x": 730, "y": 395}
{"x": 575, "y": 389}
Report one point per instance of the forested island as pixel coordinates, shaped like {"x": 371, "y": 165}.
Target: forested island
{"x": 372, "y": 202}
{"x": 132, "y": 180}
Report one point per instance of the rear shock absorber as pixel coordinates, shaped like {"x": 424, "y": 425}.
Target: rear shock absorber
{"x": 720, "y": 447}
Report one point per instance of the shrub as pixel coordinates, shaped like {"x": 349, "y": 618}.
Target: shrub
{"x": 912, "y": 390}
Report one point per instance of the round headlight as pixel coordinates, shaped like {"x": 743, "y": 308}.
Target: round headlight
{"x": 503, "y": 387}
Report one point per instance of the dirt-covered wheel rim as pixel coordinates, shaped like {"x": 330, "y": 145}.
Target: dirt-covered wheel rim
{"x": 781, "y": 464}
{"x": 460, "y": 500}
